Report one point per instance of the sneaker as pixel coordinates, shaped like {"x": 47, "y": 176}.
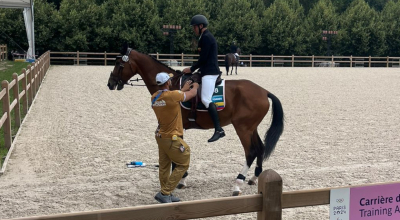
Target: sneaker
{"x": 163, "y": 199}
{"x": 174, "y": 198}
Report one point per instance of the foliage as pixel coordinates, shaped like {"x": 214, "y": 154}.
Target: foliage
{"x": 391, "y": 19}
{"x": 237, "y": 21}
{"x": 284, "y": 27}
{"x": 321, "y": 17}
{"x": 362, "y": 31}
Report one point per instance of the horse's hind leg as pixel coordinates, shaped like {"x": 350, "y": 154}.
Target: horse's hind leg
{"x": 245, "y": 136}
{"x": 236, "y": 68}
{"x": 257, "y": 143}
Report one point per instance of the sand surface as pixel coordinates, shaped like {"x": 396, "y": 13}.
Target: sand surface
{"x": 342, "y": 128}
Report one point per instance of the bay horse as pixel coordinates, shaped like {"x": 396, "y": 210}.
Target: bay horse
{"x": 246, "y": 105}
{"x": 230, "y": 60}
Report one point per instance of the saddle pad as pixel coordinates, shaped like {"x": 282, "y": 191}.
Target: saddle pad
{"x": 218, "y": 98}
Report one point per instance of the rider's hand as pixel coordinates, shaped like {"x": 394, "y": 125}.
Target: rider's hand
{"x": 186, "y": 70}
{"x": 187, "y": 85}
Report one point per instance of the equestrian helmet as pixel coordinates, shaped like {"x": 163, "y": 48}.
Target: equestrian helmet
{"x": 199, "y": 19}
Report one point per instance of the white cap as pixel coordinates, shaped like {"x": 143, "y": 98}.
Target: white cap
{"x": 162, "y": 78}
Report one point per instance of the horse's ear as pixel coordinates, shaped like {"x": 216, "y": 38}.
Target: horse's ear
{"x": 124, "y": 48}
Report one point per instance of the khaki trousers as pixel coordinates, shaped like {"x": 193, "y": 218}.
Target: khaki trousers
{"x": 171, "y": 151}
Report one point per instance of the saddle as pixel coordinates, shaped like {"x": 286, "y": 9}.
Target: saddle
{"x": 196, "y": 77}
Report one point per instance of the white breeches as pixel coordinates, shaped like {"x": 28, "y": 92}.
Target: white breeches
{"x": 207, "y": 89}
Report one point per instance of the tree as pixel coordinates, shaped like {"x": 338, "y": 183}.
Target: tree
{"x": 362, "y": 32}
{"x": 283, "y": 29}
{"x": 237, "y": 21}
{"x": 79, "y": 21}
{"x": 391, "y": 22}
{"x": 181, "y": 12}
{"x": 47, "y": 24}
{"x": 12, "y": 29}
{"x": 321, "y": 17}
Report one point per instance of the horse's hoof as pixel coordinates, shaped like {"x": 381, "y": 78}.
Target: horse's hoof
{"x": 180, "y": 186}
{"x": 236, "y": 193}
{"x": 251, "y": 183}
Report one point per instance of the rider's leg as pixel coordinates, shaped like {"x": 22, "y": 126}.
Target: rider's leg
{"x": 207, "y": 90}
{"x": 237, "y": 57}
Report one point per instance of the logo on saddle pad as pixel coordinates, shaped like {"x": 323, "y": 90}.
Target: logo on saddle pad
{"x": 218, "y": 98}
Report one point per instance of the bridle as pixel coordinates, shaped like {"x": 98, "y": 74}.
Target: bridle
{"x": 118, "y": 78}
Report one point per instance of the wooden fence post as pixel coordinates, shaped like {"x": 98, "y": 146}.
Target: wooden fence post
{"x": 272, "y": 60}
{"x": 105, "y": 58}
{"x": 292, "y": 60}
{"x": 351, "y": 61}
{"x": 37, "y": 72}
{"x": 77, "y": 57}
{"x": 17, "y": 110}
{"x": 25, "y": 97}
{"x": 33, "y": 80}
{"x": 369, "y": 61}
{"x": 270, "y": 186}
{"x": 29, "y": 79}
{"x": 251, "y": 60}
{"x": 40, "y": 75}
{"x": 6, "y": 109}
{"x": 157, "y": 56}
{"x": 182, "y": 59}
{"x": 387, "y": 61}
{"x": 312, "y": 62}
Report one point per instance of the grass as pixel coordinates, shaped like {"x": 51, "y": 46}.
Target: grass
{"x": 7, "y": 68}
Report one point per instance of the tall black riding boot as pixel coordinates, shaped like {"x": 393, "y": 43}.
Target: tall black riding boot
{"x": 219, "y": 132}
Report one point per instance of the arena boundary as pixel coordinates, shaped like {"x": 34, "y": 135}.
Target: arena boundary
{"x": 268, "y": 203}
{"x": 85, "y": 58}
{"x": 31, "y": 78}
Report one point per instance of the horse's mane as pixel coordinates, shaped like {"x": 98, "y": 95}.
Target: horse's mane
{"x": 155, "y": 59}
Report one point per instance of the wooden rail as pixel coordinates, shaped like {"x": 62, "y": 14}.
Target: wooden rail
{"x": 31, "y": 79}
{"x": 3, "y": 52}
{"x": 268, "y": 204}
{"x": 250, "y": 60}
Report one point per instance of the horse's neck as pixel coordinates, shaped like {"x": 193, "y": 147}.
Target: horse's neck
{"x": 148, "y": 69}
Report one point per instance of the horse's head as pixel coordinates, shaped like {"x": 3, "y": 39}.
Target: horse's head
{"x": 124, "y": 69}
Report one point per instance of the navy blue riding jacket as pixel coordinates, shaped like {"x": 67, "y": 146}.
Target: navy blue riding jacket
{"x": 208, "y": 60}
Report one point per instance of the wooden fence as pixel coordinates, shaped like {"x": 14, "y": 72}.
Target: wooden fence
{"x": 268, "y": 204}
{"x": 85, "y": 58}
{"x": 31, "y": 79}
{"x": 3, "y": 52}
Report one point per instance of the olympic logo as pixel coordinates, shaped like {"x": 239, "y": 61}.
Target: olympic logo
{"x": 340, "y": 200}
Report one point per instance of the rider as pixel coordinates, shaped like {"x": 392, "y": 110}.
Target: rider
{"x": 234, "y": 50}
{"x": 208, "y": 64}
{"x": 169, "y": 135}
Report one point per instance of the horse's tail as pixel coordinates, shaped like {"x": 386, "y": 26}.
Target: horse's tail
{"x": 227, "y": 63}
{"x": 277, "y": 125}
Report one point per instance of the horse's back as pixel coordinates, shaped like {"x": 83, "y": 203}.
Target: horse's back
{"x": 245, "y": 88}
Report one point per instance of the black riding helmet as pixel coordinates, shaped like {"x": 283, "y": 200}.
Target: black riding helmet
{"x": 199, "y": 19}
